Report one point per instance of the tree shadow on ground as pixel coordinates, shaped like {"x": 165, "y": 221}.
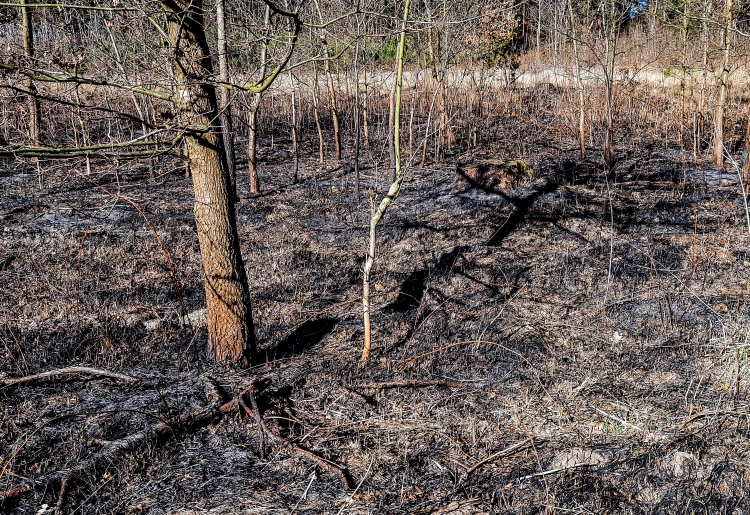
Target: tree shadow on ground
{"x": 304, "y": 337}
{"x": 412, "y": 290}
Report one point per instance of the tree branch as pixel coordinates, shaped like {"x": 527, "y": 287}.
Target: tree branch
{"x": 62, "y": 77}
{"x": 64, "y": 371}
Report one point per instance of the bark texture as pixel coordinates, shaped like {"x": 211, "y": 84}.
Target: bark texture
{"x": 230, "y": 327}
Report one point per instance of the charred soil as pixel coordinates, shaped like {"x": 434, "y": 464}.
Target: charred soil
{"x": 576, "y": 343}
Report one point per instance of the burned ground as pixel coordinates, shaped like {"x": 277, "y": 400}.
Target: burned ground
{"x": 589, "y": 329}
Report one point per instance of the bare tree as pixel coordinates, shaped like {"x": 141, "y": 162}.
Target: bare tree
{"x": 316, "y": 112}
{"x": 333, "y": 104}
{"x": 255, "y": 103}
{"x": 579, "y": 82}
{"x": 225, "y": 108}
{"x": 27, "y": 31}
{"x": 197, "y": 129}
{"x": 723, "y": 80}
{"x": 230, "y": 323}
{"x": 393, "y": 191}
{"x": 610, "y": 23}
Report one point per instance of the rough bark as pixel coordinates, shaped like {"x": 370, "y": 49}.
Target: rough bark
{"x": 230, "y": 326}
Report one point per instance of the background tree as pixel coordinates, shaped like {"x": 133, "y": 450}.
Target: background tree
{"x": 27, "y": 30}
{"x": 723, "y": 84}
{"x": 254, "y": 109}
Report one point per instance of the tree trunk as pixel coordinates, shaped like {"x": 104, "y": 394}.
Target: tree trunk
{"x": 538, "y": 31}
{"x": 391, "y": 129}
{"x": 331, "y": 90}
{"x": 579, "y": 81}
{"x": 27, "y": 30}
{"x": 334, "y": 111}
{"x": 252, "y": 131}
{"x": 316, "y": 114}
{"x": 378, "y": 213}
{"x": 609, "y": 70}
{"x": 745, "y": 169}
{"x": 356, "y": 119}
{"x": 230, "y": 326}
{"x": 700, "y": 121}
{"x": 225, "y": 109}
{"x": 252, "y": 144}
{"x": 445, "y": 132}
{"x": 295, "y": 136}
{"x": 718, "y": 151}
{"x": 365, "y": 124}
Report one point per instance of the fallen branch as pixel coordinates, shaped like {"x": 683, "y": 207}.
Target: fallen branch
{"x": 160, "y": 433}
{"x": 326, "y": 465}
{"x": 618, "y": 419}
{"x": 554, "y": 471}
{"x": 409, "y": 383}
{"x": 704, "y": 414}
{"x": 10, "y": 381}
{"x": 645, "y": 183}
{"x": 505, "y": 452}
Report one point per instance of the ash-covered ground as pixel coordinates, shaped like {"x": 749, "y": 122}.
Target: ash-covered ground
{"x": 590, "y": 331}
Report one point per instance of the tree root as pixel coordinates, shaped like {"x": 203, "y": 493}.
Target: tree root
{"x": 160, "y": 433}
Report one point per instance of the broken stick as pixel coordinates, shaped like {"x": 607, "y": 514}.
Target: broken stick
{"x": 505, "y": 452}
{"x": 10, "y": 381}
{"x": 160, "y": 433}
{"x": 323, "y": 463}
{"x": 408, "y": 383}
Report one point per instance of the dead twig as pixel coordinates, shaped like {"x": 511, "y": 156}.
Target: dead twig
{"x": 618, "y": 419}
{"x": 554, "y": 471}
{"x": 255, "y": 413}
{"x": 408, "y": 383}
{"x": 704, "y": 414}
{"x": 65, "y": 371}
{"x": 159, "y": 433}
{"x": 61, "y": 497}
{"x": 326, "y": 465}
{"x": 524, "y": 444}
{"x": 20, "y": 349}
{"x": 350, "y": 500}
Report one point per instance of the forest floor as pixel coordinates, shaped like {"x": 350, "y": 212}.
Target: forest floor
{"x": 577, "y": 344}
